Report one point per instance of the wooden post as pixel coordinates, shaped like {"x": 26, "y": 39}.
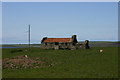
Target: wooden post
{"x": 29, "y": 35}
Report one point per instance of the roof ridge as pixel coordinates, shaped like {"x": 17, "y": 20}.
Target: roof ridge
{"x": 57, "y": 40}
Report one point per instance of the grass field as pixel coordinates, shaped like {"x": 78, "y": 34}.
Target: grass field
{"x": 70, "y": 63}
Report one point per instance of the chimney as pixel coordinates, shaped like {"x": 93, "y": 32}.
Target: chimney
{"x": 74, "y": 36}
{"x": 43, "y": 39}
{"x": 74, "y": 39}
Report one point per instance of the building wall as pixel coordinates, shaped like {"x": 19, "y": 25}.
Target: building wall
{"x": 63, "y": 46}
{"x": 72, "y": 45}
{"x": 59, "y": 46}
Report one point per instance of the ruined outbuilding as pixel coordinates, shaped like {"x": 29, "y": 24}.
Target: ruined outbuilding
{"x": 63, "y": 43}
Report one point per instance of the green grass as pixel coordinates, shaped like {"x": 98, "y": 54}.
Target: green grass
{"x": 70, "y": 63}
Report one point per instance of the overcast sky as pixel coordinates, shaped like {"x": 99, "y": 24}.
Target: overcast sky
{"x": 94, "y": 21}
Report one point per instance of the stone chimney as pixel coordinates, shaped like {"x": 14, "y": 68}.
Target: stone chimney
{"x": 43, "y": 39}
{"x": 74, "y": 39}
{"x": 74, "y": 36}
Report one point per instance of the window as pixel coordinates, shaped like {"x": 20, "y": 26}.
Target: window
{"x": 45, "y": 43}
{"x": 56, "y": 43}
{"x": 66, "y": 44}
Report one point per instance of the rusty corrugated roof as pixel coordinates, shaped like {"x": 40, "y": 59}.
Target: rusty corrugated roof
{"x": 57, "y": 40}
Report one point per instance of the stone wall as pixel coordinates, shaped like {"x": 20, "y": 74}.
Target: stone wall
{"x": 63, "y": 46}
{"x": 67, "y": 45}
{"x": 53, "y": 46}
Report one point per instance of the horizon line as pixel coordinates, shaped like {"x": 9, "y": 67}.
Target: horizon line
{"x": 78, "y": 41}
{"x": 59, "y": 0}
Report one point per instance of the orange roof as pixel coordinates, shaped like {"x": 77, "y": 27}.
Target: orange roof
{"x": 57, "y": 40}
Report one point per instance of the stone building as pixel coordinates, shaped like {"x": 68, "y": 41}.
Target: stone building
{"x": 63, "y": 43}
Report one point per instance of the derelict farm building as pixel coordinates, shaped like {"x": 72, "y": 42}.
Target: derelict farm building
{"x": 62, "y": 43}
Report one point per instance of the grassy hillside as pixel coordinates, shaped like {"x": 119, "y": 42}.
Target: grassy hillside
{"x": 69, "y": 63}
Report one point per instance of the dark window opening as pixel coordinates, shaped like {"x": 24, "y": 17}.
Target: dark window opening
{"x": 45, "y": 43}
{"x": 66, "y": 44}
{"x": 73, "y": 43}
{"x": 56, "y": 43}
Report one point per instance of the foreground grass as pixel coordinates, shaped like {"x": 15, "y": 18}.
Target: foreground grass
{"x": 70, "y": 63}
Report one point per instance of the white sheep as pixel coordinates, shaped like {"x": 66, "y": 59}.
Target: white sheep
{"x": 101, "y": 50}
{"x": 26, "y": 56}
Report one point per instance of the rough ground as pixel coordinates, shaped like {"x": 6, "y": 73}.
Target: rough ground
{"x": 25, "y": 62}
